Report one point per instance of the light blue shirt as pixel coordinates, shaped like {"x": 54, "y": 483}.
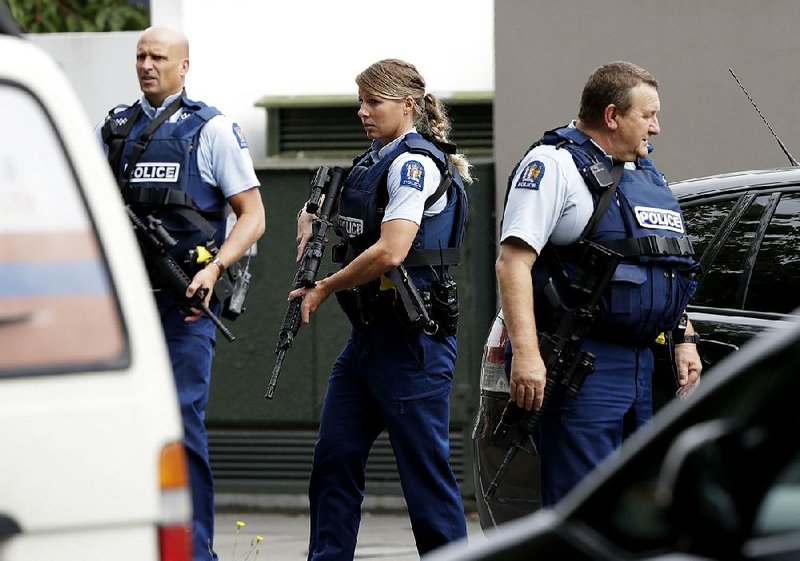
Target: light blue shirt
{"x": 406, "y": 202}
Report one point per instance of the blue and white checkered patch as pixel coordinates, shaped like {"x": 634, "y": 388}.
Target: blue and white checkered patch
{"x": 412, "y": 174}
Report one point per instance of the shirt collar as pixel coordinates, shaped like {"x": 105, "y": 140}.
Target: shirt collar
{"x": 378, "y": 150}
{"x": 628, "y": 165}
{"x": 153, "y": 112}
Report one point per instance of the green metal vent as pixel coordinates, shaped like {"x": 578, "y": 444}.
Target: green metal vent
{"x": 329, "y": 126}
{"x": 279, "y": 461}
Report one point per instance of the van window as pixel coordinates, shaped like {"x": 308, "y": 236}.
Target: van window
{"x": 58, "y": 311}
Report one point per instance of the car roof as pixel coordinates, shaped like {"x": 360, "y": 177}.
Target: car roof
{"x": 738, "y": 181}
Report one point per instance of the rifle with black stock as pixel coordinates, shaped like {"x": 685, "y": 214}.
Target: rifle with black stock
{"x": 326, "y": 182}
{"x": 567, "y": 365}
{"x": 155, "y": 242}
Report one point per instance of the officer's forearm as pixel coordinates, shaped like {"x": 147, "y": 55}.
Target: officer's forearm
{"x": 513, "y": 269}
{"x": 249, "y": 227}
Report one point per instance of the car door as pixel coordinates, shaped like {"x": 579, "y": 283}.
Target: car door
{"x": 749, "y": 245}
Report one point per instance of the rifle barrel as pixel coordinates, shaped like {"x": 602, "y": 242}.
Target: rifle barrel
{"x": 276, "y": 372}
{"x": 218, "y": 322}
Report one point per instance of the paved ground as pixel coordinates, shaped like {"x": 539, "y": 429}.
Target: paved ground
{"x": 383, "y": 536}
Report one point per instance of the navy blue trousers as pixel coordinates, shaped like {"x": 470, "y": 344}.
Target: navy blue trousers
{"x": 191, "y": 349}
{"x": 575, "y": 435}
{"x": 400, "y": 382}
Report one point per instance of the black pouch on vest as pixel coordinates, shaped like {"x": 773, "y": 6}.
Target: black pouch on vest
{"x": 444, "y": 305}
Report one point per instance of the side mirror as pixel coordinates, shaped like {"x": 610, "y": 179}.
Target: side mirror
{"x": 698, "y": 487}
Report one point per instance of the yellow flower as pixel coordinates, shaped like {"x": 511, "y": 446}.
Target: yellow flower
{"x": 259, "y": 538}
{"x": 240, "y": 524}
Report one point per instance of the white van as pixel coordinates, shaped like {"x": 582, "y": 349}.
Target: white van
{"x": 91, "y": 465}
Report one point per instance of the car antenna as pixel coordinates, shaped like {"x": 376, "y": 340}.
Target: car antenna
{"x": 783, "y": 147}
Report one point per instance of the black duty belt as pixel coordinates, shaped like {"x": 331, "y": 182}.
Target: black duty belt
{"x": 650, "y": 245}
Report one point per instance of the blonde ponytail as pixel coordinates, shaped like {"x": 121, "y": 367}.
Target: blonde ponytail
{"x": 396, "y": 79}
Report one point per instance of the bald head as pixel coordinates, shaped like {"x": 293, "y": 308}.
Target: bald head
{"x": 167, "y": 37}
{"x": 162, "y": 61}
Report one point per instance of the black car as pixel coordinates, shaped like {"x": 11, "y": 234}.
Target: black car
{"x": 745, "y": 228}
{"x": 716, "y": 476}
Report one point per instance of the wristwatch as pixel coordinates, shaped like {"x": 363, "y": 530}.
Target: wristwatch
{"x": 694, "y": 339}
{"x": 218, "y": 262}
{"x": 680, "y": 329}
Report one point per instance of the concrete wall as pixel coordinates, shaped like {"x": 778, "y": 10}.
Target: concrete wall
{"x": 99, "y": 65}
{"x": 544, "y": 51}
{"x": 242, "y": 50}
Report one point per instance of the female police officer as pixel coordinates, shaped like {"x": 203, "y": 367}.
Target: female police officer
{"x": 402, "y": 214}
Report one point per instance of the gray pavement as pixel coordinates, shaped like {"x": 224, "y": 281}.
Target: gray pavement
{"x": 383, "y": 536}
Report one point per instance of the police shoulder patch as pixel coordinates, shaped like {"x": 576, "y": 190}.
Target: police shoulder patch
{"x": 531, "y": 176}
{"x": 412, "y": 174}
{"x": 237, "y": 132}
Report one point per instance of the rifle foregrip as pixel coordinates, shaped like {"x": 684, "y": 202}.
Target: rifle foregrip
{"x": 173, "y": 272}
{"x": 291, "y": 321}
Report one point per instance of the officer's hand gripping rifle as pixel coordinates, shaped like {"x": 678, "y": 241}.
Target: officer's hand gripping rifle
{"x": 155, "y": 242}
{"x": 306, "y": 276}
{"x": 567, "y": 365}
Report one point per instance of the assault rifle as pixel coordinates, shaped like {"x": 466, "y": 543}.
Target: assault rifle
{"x": 155, "y": 243}
{"x": 567, "y": 365}
{"x": 329, "y": 183}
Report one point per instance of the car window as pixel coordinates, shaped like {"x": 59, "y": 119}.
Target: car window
{"x": 749, "y": 248}
{"x": 58, "y": 312}
{"x": 704, "y": 223}
{"x": 779, "y": 510}
{"x": 776, "y": 274}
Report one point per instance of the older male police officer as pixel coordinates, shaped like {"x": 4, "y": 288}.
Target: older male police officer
{"x": 551, "y": 199}
{"x": 196, "y": 160}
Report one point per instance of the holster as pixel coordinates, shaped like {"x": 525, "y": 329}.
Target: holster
{"x": 410, "y": 308}
{"x": 234, "y": 286}
{"x": 353, "y": 302}
{"x": 393, "y": 297}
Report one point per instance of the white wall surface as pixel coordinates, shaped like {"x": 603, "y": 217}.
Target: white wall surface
{"x": 242, "y": 50}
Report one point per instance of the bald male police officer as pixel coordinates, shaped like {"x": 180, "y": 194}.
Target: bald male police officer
{"x": 196, "y": 160}
{"x": 550, "y": 201}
